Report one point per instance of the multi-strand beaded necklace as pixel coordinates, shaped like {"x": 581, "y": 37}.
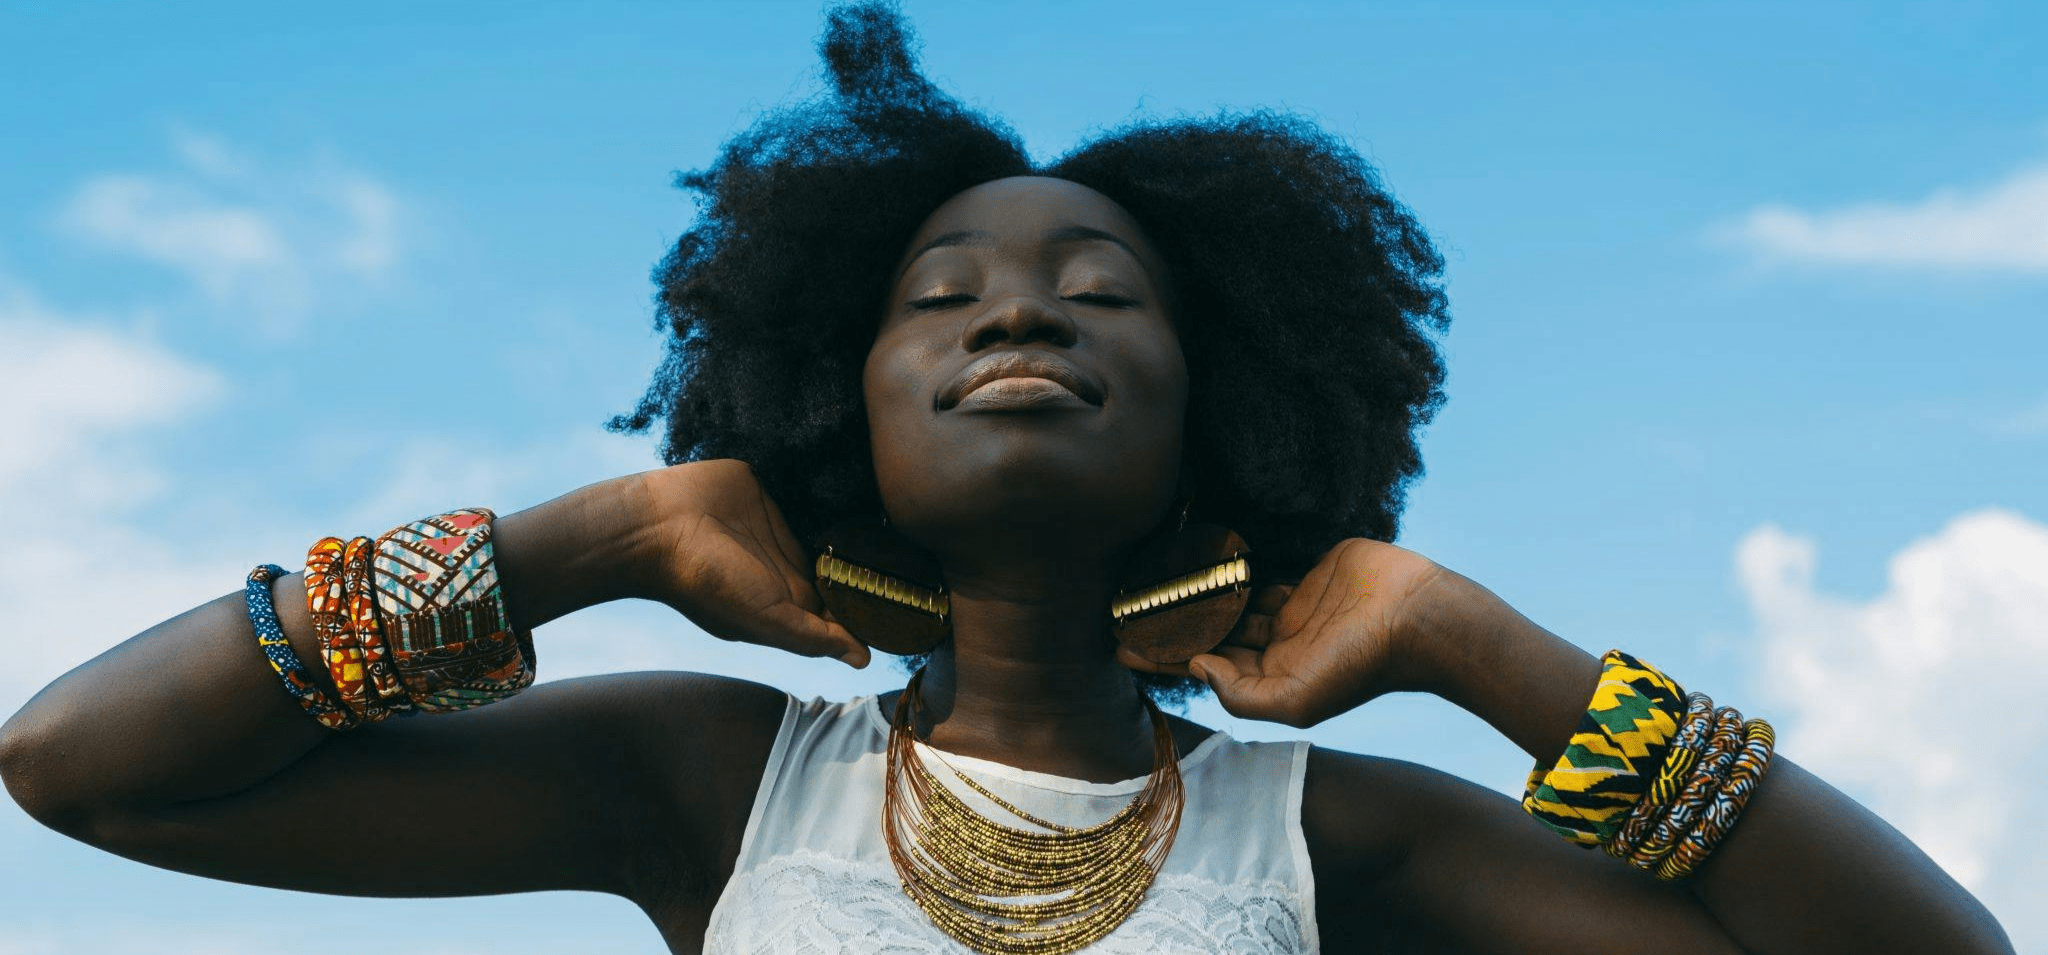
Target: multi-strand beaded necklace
{"x": 1009, "y": 891}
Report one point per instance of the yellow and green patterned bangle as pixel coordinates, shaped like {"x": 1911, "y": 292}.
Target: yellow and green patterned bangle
{"x": 1613, "y": 757}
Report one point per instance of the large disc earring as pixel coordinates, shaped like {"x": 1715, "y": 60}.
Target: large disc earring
{"x": 884, "y": 590}
{"x": 1183, "y": 592}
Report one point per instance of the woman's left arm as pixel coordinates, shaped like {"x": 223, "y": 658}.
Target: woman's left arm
{"x": 1805, "y": 869}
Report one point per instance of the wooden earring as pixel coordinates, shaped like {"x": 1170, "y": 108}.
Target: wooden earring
{"x": 884, "y": 590}
{"x": 1183, "y": 592}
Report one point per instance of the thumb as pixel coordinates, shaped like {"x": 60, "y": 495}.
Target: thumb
{"x": 790, "y": 627}
{"x": 1241, "y": 684}
{"x": 1224, "y": 677}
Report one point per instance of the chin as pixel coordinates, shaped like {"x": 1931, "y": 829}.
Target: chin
{"x": 1015, "y": 489}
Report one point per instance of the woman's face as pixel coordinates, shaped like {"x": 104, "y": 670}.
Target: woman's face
{"x": 1026, "y": 377}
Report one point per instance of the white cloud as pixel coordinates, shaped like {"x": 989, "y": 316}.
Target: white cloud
{"x": 2001, "y": 226}
{"x": 64, "y": 382}
{"x": 75, "y": 393}
{"x": 1924, "y": 699}
{"x": 218, "y": 244}
{"x": 266, "y": 238}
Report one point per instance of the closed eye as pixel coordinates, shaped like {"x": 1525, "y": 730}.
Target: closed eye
{"x": 1103, "y": 299}
{"x": 930, "y": 302}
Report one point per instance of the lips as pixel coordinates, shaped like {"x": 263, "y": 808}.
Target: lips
{"x": 1020, "y": 364}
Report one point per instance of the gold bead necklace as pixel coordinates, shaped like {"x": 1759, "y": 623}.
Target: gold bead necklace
{"x": 1007, "y": 891}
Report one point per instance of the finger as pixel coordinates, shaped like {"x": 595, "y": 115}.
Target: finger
{"x": 796, "y": 561}
{"x": 1254, "y": 632}
{"x": 1270, "y": 599}
{"x": 1142, "y": 665}
{"x": 855, "y": 659}
{"x": 787, "y": 626}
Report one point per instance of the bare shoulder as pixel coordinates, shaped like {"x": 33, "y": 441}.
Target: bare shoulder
{"x": 1407, "y": 858}
{"x": 693, "y": 746}
{"x": 1360, "y": 814}
{"x": 1363, "y": 817}
{"x": 703, "y": 742}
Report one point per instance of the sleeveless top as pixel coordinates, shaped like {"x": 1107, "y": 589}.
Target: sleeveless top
{"x": 814, "y": 878}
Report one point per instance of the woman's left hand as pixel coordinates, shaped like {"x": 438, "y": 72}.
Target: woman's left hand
{"x": 1349, "y": 632}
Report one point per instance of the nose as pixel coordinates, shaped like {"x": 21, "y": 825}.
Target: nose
{"x": 1017, "y": 320}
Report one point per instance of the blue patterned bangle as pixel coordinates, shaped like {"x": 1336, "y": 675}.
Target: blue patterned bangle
{"x": 278, "y": 650}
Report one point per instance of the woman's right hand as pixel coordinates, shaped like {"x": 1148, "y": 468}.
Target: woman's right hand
{"x": 724, "y": 557}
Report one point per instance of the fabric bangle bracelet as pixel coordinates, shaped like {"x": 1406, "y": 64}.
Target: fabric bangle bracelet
{"x": 340, "y": 650}
{"x": 1698, "y": 792}
{"x": 1686, "y": 749}
{"x": 1713, "y": 826}
{"x": 1614, "y": 755}
{"x": 442, "y": 615}
{"x": 362, "y": 617}
{"x": 385, "y": 694}
{"x": 278, "y": 650}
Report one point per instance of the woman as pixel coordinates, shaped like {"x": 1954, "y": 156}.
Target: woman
{"x": 1032, "y": 375}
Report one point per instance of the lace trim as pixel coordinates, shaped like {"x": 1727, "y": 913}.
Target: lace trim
{"x": 810, "y": 903}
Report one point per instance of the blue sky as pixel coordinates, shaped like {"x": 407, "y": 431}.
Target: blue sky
{"x": 1746, "y": 363}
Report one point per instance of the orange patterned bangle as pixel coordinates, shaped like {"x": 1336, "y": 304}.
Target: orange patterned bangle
{"x": 386, "y": 691}
{"x": 340, "y": 649}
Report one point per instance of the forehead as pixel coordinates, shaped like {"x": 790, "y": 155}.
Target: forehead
{"x": 1030, "y": 210}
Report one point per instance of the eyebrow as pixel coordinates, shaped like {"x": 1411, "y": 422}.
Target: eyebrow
{"x": 1072, "y": 233}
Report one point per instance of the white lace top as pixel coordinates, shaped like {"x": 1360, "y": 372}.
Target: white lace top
{"x": 813, "y": 875}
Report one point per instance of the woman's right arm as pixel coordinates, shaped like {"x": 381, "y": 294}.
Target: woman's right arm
{"x": 180, "y": 749}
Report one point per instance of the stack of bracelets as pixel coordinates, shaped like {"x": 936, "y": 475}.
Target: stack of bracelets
{"x": 410, "y": 622}
{"x": 1653, "y": 775}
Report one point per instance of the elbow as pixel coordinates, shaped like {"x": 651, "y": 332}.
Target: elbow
{"x": 29, "y": 768}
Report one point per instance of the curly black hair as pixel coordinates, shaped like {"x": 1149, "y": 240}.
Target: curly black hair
{"x": 1309, "y": 298}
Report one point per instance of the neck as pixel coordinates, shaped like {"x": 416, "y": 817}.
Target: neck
{"x": 1030, "y": 677}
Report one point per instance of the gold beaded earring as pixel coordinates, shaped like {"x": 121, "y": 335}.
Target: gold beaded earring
{"x": 1183, "y": 592}
{"x": 884, "y": 590}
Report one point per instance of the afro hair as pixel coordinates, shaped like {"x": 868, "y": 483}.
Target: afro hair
{"x": 1310, "y": 299}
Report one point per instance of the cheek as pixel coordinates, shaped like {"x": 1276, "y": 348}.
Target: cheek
{"x": 895, "y": 392}
{"x": 1158, "y": 373}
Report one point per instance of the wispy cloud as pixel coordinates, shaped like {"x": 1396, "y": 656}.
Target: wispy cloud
{"x": 1922, "y": 699}
{"x": 270, "y": 238}
{"x": 2002, "y": 226}
{"x": 76, "y": 394}
{"x": 2027, "y": 422}
{"x": 67, "y": 382}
